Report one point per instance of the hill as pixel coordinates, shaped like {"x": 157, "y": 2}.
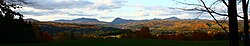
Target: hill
{"x": 124, "y": 21}
{"x": 159, "y": 26}
{"x": 82, "y": 21}
{"x": 54, "y": 28}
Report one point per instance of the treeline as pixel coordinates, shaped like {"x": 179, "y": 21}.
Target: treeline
{"x": 70, "y": 35}
{"x": 159, "y": 26}
{"x": 54, "y": 27}
{"x": 143, "y": 33}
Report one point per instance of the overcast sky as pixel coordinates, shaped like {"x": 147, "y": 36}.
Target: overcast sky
{"x": 107, "y": 10}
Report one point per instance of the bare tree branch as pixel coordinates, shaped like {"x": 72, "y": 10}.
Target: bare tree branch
{"x": 240, "y": 16}
{"x": 203, "y": 10}
{"x": 247, "y": 2}
{"x": 199, "y": 9}
{"x": 189, "y": 3}
{"x": 214, "y": 3}
{"x": 224, "y": 2}
{"x": 214, "y": 17}
{"x": 224, "y": 19}
{"x": 199, "y": 14}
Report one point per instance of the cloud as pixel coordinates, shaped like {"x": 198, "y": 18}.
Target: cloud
{"x": 79, "y": 14}
{"x": 52, "y": 17}
{"x": 71, "y": 7}
{"x": 57, "y": 4}
{"x": 64, "y": 4}
{"x": 154, "y": 11}
{"x": 106, "y": 17}
{"x": 106, "y": 4}
{"x": 34, "y": 13}
{"x": 164, "y": 11}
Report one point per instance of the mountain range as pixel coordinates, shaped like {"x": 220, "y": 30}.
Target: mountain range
{"x": 117, "y": 20}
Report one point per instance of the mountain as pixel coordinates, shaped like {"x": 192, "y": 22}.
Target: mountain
{"x": 172, "y": 18}
{"x": 31, "y": 20}
{"x": 117, "y": 20}
{"x": 194, "y": 19}
{"x": 82, "y": 21}
{"x": 86, "y": 20}
{"x": 124, "y": 21}
{"x": 79, "y": 20}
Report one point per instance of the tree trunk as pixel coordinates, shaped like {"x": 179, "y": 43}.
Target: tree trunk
{"x": 233, "y": 23}
{"x": 246, "y": 25}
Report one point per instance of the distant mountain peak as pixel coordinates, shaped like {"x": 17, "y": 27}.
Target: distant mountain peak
{"x": 78, "y": 20}
{"x": 119, "y": 20}
{"x": 172, "y": 18}
{"x": 85, "y": 19}
{"x": 157, "y": 19}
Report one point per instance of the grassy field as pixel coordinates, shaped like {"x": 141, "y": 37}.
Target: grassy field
{"x": 125, "y": 42}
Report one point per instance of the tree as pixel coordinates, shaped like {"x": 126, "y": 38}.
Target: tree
{"x": 231, "y": 13}
{"x": 246, "y": 22}
{"x": 233, "y": 23}
{"x": 14, "y": 30}
{"x": 46, "y": 36}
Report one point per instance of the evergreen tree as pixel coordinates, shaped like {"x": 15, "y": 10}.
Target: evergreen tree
{"x": 14, "y": 30}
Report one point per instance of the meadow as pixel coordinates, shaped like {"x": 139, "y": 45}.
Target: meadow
{"x": 124, "y": 42}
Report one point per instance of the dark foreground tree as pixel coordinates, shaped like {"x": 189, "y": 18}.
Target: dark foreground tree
{"x": 246, "y": 22}
{"x": 233, "y": 23}
{"x": 13, "y": 29}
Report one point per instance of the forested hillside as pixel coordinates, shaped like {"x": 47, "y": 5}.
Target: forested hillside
{"x": 159, "y": 26}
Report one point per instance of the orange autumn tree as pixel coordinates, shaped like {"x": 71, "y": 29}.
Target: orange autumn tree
{"x": 46, "y": 36}
{"x": 143, "y": 33}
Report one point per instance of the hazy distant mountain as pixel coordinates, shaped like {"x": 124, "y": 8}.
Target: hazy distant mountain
{"x": 86, "y": 20}
{"x": 79, "y": 20}
{"x": 83, "y": 21}
{"x": 62, "y": 20}
{"x": 115, "y": 21}
{"x": 172, "y": 18}
{"x": 31, "y": 20}
{"x": 194, "y": 19}
{"x": 123, "y": 21}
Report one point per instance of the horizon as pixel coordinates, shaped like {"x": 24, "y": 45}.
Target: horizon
{"x": 127, "y": 19}
{"x": 108, "y": 10}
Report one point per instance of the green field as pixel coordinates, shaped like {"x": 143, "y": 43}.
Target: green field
{"x": 125, "y": 42}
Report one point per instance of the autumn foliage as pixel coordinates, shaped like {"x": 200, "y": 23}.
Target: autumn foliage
{"x": 143, "y": 33}
{"x": 46, "y": 37}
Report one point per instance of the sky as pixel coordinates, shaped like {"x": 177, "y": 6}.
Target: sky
{"x": 107, "y": 10}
